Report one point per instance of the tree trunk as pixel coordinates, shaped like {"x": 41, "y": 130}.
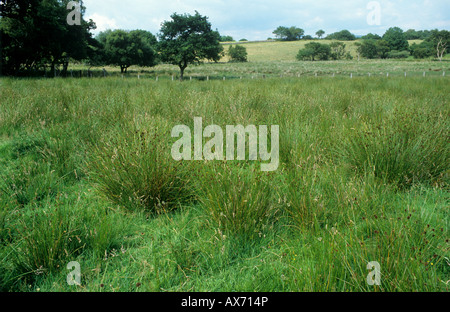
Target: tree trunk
{"x": 65, "y": 66}
{"x": 182, "y": 68}
{"x": 53, "y": 69}
{"x": 181, "y": 73}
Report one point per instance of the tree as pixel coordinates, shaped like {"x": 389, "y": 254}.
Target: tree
{"x": 289, "y": 33}
{"x": 343, "y": 35}
{"x": 396, "y": 39}
{"x": 188, "y": 39}
{"x": 237, "y": 53}
{"x": 123, "y": 48}
{"x": 226, "y": 39}
{"x": 320, "y": 33}
{"x": 36, "y": 33}
{"x": 368, "y": 49}
{"x": 440, "y": 41}
{"x": 441, "y": 47}
{"x": 382, "y": 48}
{"x": 314, "y": 51}
{"x": 423, "y": 50}
{"x": 371, "y": 36}
{"x": 337, "y": 50}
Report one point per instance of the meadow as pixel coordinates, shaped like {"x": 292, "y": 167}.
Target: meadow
{"x": 86, "y": 175}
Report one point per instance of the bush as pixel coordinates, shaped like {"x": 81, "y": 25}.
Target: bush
{"x": 398, "y": 54}
{"x": 237, "y": 53}
{"x": 423, "y": 50}
{"x": 314, "y": 51}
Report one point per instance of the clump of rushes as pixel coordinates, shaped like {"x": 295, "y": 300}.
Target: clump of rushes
{"x": 135, "y": 170}
{"x": 239, "y": 198}
{"x": 400, "y": 151}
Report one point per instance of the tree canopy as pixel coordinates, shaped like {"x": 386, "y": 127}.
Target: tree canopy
{"x": 289, "y": 33}
{"x": 188, "y": 39}
{"x": 314, "y": 51}
{"x": 396, "y": 39}
{"x": 320, "y": 33}
{"x": 123, "y": 48}
{"x": 343, "y": 35}
{"x": 36, "y": 34}
{"x": 237, "y": 53}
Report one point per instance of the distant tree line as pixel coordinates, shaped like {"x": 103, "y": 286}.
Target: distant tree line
{"x": 393, "y": 44}
{"x": 36, "y": 36}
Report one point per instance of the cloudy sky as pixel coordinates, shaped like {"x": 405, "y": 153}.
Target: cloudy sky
{"x": 256, "y": 19}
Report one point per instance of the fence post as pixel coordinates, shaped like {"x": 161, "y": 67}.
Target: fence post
{"x": 351, "y": 75}
{"x": 424, "y": 74}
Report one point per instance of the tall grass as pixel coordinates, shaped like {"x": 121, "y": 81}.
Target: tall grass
{"x": 87, "y": 175}
{"x": 240, "y": 201}
{"x": 134, "y": 169}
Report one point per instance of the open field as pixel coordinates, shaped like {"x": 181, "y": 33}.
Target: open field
{"x": 276, "y": 51}
{"x": 86, "y": 175}
{"x": 276, "y": 59}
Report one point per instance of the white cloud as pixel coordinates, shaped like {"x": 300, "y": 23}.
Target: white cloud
{"x": 103, "y": 23}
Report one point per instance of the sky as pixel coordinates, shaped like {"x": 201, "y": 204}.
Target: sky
{"x": 257, "y": 19}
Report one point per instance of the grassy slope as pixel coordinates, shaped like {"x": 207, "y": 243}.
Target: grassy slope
{"x": 364, "y": 177}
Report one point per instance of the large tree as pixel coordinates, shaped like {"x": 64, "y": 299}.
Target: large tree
{"x": 37, "y": 33}
{"x": 396, "y": 39}
{"x": 125, "y": 48}
{"x": 188, "y": 39}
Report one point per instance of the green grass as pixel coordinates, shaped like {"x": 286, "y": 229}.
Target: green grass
{"x": 86, "y": 175}
{"x": 276, "y": 59}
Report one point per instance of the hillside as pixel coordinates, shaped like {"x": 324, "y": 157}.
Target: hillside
{"x": 285, "y": 50}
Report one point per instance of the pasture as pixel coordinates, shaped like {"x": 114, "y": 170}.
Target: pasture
{"x": 86, "y": 175}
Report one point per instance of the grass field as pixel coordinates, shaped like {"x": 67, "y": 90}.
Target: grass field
{"x": 86, "y": 175}
{"x": 276, "y": 59}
